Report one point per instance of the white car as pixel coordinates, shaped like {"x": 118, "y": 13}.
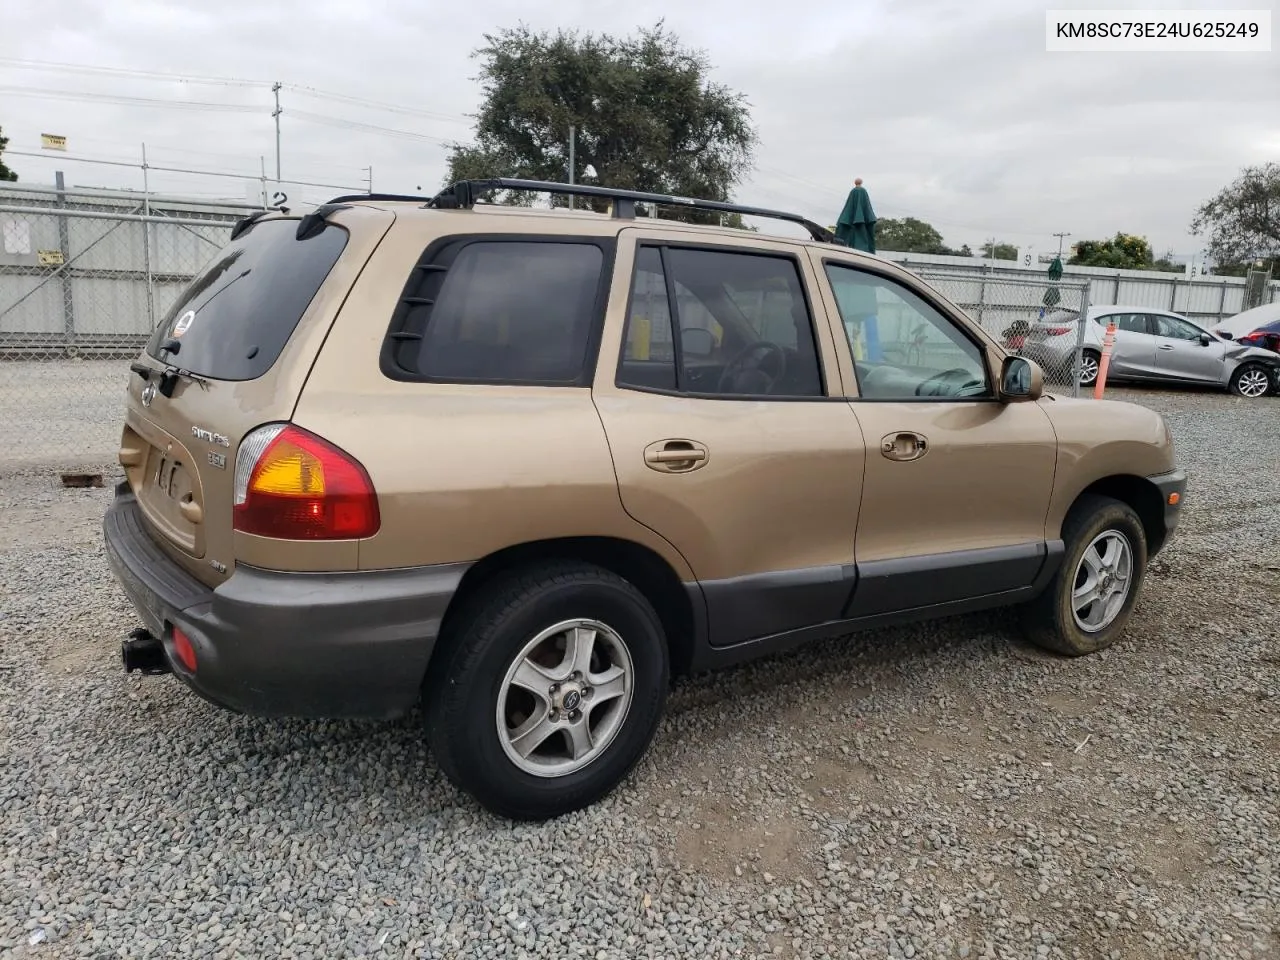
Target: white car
{"x": 1152, "y": 346}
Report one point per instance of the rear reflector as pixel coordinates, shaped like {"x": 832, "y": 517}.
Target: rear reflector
{"x": 184, "y": 651}
{"x": 293, "y": 485}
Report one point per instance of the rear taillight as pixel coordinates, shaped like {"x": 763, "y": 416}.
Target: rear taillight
{"x": 292, "y": 485}
{"x": 1057, "y": 331}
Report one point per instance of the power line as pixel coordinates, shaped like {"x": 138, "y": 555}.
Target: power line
{"x": 128, "y": 72}
{"x": 378, "y": 104}
{"x": 368, "y": 127}
{"x": 304, "y": 89}
{"x": 85, "y": 96}
{"x": 313, "y": 159}
{"x": 204, "y": 173}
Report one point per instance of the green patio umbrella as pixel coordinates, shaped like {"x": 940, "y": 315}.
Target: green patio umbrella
{"x": 1051, "y": 296}
{"x": 857, "y": 224}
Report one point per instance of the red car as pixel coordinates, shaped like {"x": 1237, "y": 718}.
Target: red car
{"x": 1266, "y": 336}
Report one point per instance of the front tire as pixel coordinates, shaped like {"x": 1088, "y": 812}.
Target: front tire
{"x": 549, "y": 690}
{"x": 1089, "y": 601}
{"x": 1251, "y": 380}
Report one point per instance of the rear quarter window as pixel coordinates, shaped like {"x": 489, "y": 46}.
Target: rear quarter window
{"x": 518, "y": 311}
{"x": 233, "y": 320}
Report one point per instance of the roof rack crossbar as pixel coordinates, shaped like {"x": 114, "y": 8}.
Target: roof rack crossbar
{"x": 463, "y": 195}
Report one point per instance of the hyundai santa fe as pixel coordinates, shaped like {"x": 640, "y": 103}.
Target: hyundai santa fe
{"x": 520, "y": 467}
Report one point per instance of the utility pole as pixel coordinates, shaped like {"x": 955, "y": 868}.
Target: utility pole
{"x": 369, "y": 178}
{"x": 1061, "y": 236}
{"x": 275, "y": 88}
{"x": 573, "y": 131}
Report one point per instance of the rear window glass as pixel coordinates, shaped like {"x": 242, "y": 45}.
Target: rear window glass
{"x": 505, "y": 312}
{"x": 233, "y": 320}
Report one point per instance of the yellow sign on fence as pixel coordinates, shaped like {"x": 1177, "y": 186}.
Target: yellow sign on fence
{"x": 51, "y": 258}
{"x": 53, "y": 141}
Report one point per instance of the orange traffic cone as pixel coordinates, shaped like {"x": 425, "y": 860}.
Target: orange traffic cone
{"x": 1108, "y": 342}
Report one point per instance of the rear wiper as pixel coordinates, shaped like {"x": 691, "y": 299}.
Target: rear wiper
{"x": 172, "y": 374}
{"x": 169, "y": 376}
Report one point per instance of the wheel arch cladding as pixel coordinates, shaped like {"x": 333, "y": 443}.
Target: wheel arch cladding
{"x": 642, "y": 567}
{"x": 1140, "y": 494}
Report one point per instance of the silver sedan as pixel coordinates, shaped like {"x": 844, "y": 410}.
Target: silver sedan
{"x": 1152, "y": 346}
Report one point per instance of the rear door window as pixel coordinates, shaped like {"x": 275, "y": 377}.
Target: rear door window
{"x": 233, "y": 320}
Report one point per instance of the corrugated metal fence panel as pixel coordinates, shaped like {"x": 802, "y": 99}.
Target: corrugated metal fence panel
{"x": 30, "y": 305}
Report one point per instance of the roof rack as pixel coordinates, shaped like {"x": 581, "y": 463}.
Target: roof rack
{"x": 462, "y": 195}
{"x": 386, "y": 197}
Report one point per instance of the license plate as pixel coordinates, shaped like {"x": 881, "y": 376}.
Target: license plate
{"x": 167, "y": 475}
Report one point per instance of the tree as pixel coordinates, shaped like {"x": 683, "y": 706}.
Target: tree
{"x": 6, "y": 175}
{"x": 646, "y": 115}
{"x": 999, "y": 251}
{"x": 1243, "y": 219}
{"x": 910, "y": 235}
{"x": 1123, "y": 251}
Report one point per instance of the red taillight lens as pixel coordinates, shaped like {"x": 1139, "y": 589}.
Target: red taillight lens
{"x": 183, "y": 650}
{"x": 1057, "y": 331}
{"x": 300, "y": 487}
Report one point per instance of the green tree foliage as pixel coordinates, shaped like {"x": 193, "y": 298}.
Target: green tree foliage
{"x": 909, "y": 235}
{"x": 993, "y": 250}
{"x": 1123, "y": 251}
{"x": 7, "y": 175}
{"x": 646, "y": 114}
{"x": 1243, "y": 219}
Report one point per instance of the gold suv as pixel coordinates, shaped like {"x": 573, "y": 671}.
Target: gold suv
{"x": 521, "y": 466}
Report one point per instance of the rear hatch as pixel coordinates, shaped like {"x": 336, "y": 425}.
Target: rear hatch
{"x": 244, "y": 334}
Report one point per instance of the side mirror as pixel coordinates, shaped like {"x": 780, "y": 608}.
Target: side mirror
{"x": 697, "y": 342}
{"x": 1020, "y": 379}
{"x": 1205, "y": 339}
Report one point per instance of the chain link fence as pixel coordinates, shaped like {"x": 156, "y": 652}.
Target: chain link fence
{"x": 84, "y": 278}
{"x": 1037, "y": 319}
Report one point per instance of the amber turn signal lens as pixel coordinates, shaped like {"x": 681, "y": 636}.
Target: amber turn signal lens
{"x": 1173, "y": 499}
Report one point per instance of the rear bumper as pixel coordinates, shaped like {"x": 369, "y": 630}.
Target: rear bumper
{"x": 1168, "y": 484}
{"x": 319, "y": 645}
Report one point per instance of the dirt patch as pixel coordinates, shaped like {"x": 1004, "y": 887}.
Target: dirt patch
{"x": 725, "y": 848}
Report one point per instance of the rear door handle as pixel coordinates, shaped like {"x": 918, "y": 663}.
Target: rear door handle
{"x": 675, "y": 456}
{"x": 904, "y": 445}
{"x": 1166, "y": 346}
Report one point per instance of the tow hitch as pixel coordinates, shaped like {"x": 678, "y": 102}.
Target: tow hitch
{"x": 144, "y": 653}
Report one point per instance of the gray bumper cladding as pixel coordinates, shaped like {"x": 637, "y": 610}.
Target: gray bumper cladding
{"x": 269, "y": 643}
{"x": 1174, "y": 482}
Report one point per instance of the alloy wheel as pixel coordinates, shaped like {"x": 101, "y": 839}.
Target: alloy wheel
{"x": 565, "y": 697}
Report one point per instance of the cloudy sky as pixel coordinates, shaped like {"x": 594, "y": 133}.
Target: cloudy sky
{"x": 951, "y": 111}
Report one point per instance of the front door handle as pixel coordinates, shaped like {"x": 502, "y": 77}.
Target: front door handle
{"x": 1166, "y": 346}
{"x": 904, "y": 445}
{"x": 675, "y": 456}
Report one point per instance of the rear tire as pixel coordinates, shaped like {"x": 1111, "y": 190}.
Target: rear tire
{"x": 1251, "y": 380}
{"x": 1105, "y": 550}
{"x": 1090, "y": 360}
{"x": 548, "y": 690}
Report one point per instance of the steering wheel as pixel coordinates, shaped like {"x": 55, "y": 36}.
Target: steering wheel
{"x": 742, "y": 364}
{"x": 943, "y": 380}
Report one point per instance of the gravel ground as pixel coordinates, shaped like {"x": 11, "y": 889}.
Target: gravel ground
{"x": 77, "y": 405}
{"x": 938, "y": 791}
